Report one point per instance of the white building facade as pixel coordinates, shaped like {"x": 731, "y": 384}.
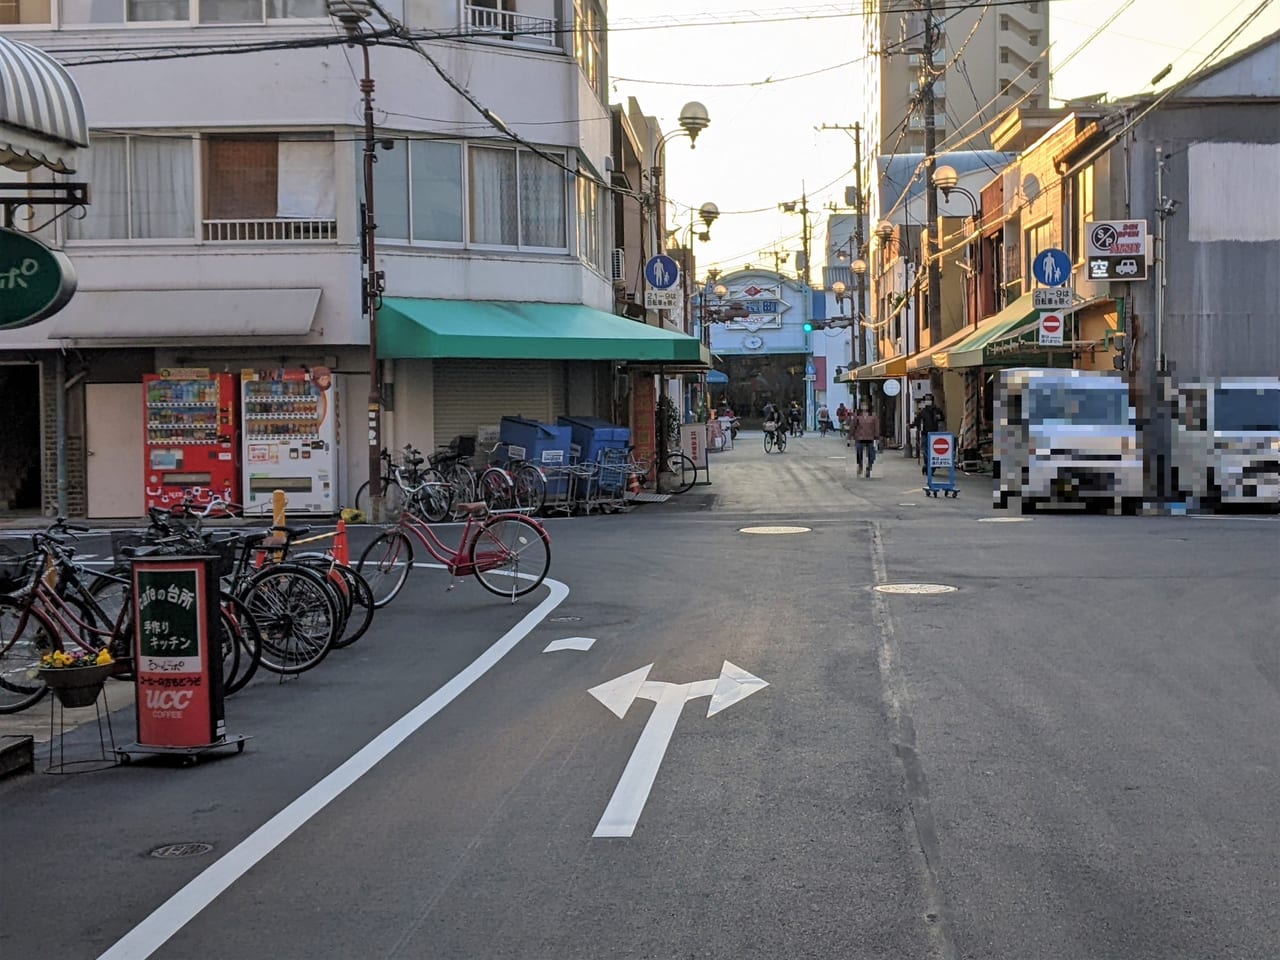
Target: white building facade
{"x": 224, "y": 227}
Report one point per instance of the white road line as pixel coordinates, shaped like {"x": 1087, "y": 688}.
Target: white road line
{"x": 176, "y": 912}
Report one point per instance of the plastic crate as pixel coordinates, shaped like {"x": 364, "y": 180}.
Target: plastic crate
{"x": 594, "y": 435}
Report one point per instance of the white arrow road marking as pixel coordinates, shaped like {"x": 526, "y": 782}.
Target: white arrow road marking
{"x": 569, "y": 643}
{"x": 631, "y": 793}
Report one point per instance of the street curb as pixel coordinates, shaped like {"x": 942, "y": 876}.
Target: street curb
{"x": 17, "y": 755}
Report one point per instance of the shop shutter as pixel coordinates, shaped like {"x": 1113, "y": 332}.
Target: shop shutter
{"x": 474, "y": 393}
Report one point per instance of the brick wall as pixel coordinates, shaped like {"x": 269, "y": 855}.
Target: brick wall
{"x": 77, "y": 505}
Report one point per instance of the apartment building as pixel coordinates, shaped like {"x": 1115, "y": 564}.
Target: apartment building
{"x": 224, "y": 228}
{"x": 990, "y": 59}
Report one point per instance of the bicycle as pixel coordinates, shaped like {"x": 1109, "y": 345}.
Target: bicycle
{"x": 678, "y": 465}
{"x": 512, "y": 483}
{"x": 491, "y": 544}
{"x": 398, "y": 479}
{"x": 774, "y": 437}
{"x": 451, "y": 463}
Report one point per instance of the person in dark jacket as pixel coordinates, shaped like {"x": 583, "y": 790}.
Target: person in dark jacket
{"x": 929, "y": 419}
{"x": 864, "y": 430}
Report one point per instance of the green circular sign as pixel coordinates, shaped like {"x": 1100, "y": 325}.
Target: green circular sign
{"x": 35, "y": 282}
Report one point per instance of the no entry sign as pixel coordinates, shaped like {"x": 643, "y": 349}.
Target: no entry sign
{"x": 941, "y": 450}
{"x": 1051, "y": 325}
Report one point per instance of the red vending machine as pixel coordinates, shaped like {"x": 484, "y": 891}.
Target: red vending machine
{"x": 191, "y": 430}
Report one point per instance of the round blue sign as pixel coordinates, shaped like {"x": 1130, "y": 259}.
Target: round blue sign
{"x": 1052, "y": 267}
{"x": 661, "y": 272}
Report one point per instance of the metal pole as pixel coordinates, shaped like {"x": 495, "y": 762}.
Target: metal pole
{"x": 1161, "y": 275}
{"x": 931, "y": 166}
{"x": 860, "y": 352}
{"x": 371, "y": 293}
{"x": 60, "y": 426}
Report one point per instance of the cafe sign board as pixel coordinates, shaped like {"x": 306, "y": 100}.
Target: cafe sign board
{"x": 178, "y": 659}
{"x": 35, "y": 282}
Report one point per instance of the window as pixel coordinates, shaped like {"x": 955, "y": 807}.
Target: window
{"x": 269, "y": 188}
{"x": 588, "y": 41}
{"x": 1033, "y": 38}
{"x": 25, "y": 11}
{"x": 1081, "y": 210}
{"x": 197, "y": 11}
{"x": 1004, "y": 23}
{"x": 590, "y": 214}
{"x": 509, "y": 197}
{"x": 1033, "y": 71}
{"x": 1004, "y": 56}
{"x": 143, "y": 188}
{"x": 1039, "y": 237}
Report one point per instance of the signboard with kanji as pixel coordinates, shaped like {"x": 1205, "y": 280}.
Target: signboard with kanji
{"x": 178, "y": 656}
{"x": 1051, "y": 324}
{"x": 1116, "y": 249}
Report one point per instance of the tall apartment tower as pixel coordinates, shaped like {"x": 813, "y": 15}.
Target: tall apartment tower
{"x": 1004, "y": 63}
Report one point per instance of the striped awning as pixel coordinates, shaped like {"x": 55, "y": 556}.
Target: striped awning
{"x": 42, "y": 122}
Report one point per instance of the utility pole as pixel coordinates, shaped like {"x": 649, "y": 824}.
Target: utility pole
{"x": 931, "y": 165}
{"x": 859, "y": 209}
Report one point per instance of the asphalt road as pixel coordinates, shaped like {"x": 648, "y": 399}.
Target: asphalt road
{"x": 1072, "y": 755}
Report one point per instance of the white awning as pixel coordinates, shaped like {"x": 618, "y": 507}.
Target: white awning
{"x": 42, "y": 122}
{"x": 116, "y": 318}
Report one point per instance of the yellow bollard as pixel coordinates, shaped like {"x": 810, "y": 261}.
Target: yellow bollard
{"x": 278, "y": 501}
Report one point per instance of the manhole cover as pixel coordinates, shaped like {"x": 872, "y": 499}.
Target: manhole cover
{"x": 775, "y": 530}
{"x": 563, "y": 619}
{"x": 914, "y": 588}
{"x": 1003, "y": 519}
{"x": 908, "y": 504}
{"x": 174, "y": 850}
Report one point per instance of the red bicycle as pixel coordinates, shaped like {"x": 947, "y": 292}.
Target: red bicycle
{"x": 509, "y": 553}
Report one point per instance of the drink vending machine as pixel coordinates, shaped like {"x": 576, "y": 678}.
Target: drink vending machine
{"x": 292, "y": 438}
{"x": 190, "y": 430}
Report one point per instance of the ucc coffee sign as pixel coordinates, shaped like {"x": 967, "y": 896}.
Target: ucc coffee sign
{"x": 35, "y": 282}
{"x": 179, "y": 664}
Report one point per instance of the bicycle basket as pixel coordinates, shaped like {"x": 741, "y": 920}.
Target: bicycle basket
{"x": 225, "y": 553}
{"x": 16, "y": 570}
{"x": 463, "y": 446}
{"x": 770, "y": 426}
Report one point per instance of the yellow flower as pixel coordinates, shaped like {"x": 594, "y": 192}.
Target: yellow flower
{"x": 104, "y": 656}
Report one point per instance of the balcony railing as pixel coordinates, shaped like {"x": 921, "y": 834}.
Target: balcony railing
{"x": 269, "y": 231}
{"x": 512, "y": 26}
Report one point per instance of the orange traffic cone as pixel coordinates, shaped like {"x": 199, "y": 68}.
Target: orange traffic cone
{"x": 634, "y": 485}
{"x": 340, "y": 551}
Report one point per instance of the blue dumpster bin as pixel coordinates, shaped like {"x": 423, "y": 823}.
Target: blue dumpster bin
{"x": 592, "y": 435}
{"x": 541, "y": 444}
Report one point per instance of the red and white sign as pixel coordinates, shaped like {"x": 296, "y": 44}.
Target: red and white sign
{"x": 1051, "y": 325}
{"x": 941, "y": 449}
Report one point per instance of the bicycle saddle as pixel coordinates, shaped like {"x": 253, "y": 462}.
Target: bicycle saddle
{"x": 292, "y": 531}
{"x": 476, "y": 509}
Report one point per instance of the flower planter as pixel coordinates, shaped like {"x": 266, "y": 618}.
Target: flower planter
{"x": 76, "y": 686}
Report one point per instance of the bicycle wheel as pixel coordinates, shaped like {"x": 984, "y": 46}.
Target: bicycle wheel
{"x": 385, "y": 565}
{"x": 393, "y": 497}
{"x": 433, "y": 501}
{"x": 25, "y": 637}
{"x": 496, "y": 489}
{"x": 682, "y": 468}
{"x": 510, "y": 555}
{"x": 768, "y": 442}
{"x": 232, "y": 649}
{"x": 249, "y": 638}
{"x": 361, "y": 615}
{"x": 782, "y": 442}
{"x": 462, "y": 487}
{"x": 111, "y": 592}
{"x": 530, "y": 487}
{"x": 296, "y": 614}
{"x": 324, "y": 565}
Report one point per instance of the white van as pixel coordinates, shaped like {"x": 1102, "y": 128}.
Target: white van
{"x": 1225, "y": 443}
{"x": 1066, "y": 437}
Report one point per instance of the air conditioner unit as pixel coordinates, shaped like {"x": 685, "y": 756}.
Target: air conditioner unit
{"x": 618, "y": 265}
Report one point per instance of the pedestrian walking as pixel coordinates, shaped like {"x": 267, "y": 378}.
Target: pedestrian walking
{"x": 864, "y": 429}
{"x": 824, "y": 420}
{"x": 929, "y": 419}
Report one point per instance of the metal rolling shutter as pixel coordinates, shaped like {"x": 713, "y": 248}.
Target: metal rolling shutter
{"x": 472, "y": 393}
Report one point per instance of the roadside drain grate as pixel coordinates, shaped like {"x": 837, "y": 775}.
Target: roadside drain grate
{"x": 172, "y": 851}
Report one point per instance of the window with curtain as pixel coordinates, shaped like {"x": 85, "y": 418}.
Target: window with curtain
{"x": 542, "y": 201}
{"x": 1039, "y": 237}
{"x": 146, "y": 11}
{"x": 25, "y": 11}
{"x": 436, "y": 190}
{"x": 143, "y": 188}
{"x": 494, "y": 201}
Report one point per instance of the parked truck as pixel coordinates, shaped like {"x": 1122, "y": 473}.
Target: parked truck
{"x": 1066, "y": 437}
{"x": 1225, "y": 443}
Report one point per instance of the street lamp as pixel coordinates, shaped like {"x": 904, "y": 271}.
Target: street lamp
{"x": 947, "y": 180}
{"x": 353, "y": 15}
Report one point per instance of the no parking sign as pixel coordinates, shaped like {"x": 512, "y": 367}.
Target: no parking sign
{"x": 942, "y": 449}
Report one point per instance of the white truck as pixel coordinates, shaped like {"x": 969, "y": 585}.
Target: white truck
{"x": 1225, "y": 442}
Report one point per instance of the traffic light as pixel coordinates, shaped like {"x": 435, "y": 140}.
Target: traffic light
{"x": 812, "y": 325}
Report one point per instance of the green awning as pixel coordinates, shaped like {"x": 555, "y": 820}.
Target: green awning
{"x": 500, "y": 330}
{"x": 1010, "y": 323}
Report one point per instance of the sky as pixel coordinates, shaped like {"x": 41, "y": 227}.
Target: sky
{"x": 762, "y": 147}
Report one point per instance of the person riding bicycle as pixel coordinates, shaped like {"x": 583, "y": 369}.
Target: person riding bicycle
{"x": 824, "y": 420}
{"x": 771, "y": 413}
{"x": 795, "y": 415}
